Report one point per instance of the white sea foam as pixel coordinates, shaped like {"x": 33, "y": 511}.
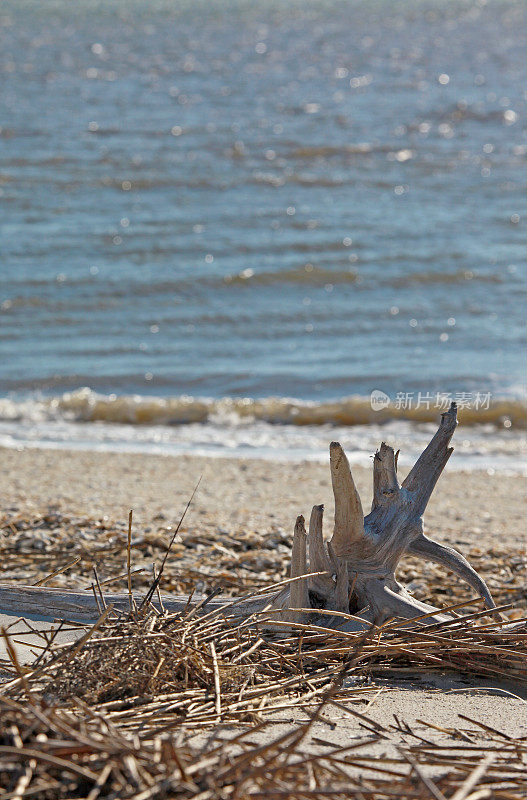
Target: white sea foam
{"x": 274, "y": 428}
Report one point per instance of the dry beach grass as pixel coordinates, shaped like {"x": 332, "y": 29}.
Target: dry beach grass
{"x": 115, "y": 716}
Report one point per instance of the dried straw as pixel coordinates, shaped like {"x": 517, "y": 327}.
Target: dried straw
{"x": 113, "y": 715}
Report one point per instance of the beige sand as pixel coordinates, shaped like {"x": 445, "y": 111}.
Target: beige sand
{"x": 467, "y": 508}
{"x": 470, "y": 509}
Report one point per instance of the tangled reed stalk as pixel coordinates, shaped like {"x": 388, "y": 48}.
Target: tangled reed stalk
{"x": 115, "y": 716}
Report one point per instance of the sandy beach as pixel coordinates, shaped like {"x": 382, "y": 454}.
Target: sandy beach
{"x": 61, "y": 505}
{"x": 470, "y": 509}
{"x": 479, "y": 513}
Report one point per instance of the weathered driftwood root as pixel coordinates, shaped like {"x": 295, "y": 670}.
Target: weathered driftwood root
{"x": 359, "y": 563}
{"x": 350, "y": 581}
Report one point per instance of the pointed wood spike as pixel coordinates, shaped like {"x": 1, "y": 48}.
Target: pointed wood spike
{"x": 349, "y": 516}
{"x": 299, "y": 597}
{"x": 385, "y": 483}
{"x": 318, "y": 557}
{"x": 319, "y": 561}
{"x": 425, "y": 473}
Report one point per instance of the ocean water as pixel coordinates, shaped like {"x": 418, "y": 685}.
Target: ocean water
{"x": 224, "y": 224}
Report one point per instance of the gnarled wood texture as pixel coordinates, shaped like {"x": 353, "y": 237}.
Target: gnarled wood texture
{"x": 350, "y": 581}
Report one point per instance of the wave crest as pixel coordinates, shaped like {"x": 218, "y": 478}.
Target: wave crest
{"x": 85, "y": 405}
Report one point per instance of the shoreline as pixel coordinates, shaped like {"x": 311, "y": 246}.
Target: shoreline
{"x": 277, "y": 429}
{"x": 506, "y": 466}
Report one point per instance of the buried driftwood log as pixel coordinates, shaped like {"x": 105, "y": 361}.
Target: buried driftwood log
{"x": 350, "y": 581}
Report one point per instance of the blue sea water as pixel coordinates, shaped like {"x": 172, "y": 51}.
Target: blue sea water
{"x": 308, "y": 200}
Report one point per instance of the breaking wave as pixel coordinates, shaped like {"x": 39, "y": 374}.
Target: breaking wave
{"x": 85, "y": 405}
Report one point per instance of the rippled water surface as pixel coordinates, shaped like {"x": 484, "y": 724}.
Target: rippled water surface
{"x": 288, "y": 199}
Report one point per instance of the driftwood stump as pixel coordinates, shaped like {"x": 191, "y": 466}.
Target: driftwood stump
{"x": 350, "y": 581}
{"x": 358, "y": 564}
